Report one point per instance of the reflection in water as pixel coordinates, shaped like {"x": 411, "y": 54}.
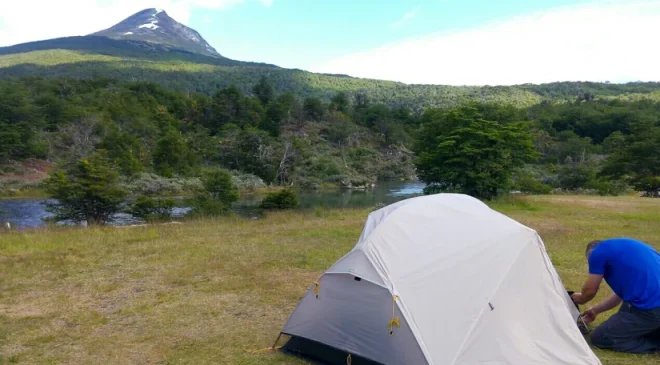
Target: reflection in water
{"x": 24, "y": 213}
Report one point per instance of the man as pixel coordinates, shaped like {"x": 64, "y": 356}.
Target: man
{"x": 632, "y": 269}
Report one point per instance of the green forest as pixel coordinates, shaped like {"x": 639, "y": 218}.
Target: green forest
{"x": 146, "y": 129}
{"x": 159, "y": 138}
{"x": 194, "y": 73}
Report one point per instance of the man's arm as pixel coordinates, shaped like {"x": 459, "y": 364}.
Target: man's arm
{"x": 611, "y": 302}
{"x": 589, "y": 289}
{"x": 590, "y": 314}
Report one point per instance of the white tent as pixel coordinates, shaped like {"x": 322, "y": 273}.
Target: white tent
{"x": 443, "y": 280}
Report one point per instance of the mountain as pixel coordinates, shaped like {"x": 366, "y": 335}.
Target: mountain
{"x": 155, "y": 26}
{"x": 150, "y": 46}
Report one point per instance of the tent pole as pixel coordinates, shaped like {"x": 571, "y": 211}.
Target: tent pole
{"x": 277, "y": 339}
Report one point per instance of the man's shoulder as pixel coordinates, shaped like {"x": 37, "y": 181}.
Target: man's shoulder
{"x": 626, "y": 244}
{"x": 619, "y": 241}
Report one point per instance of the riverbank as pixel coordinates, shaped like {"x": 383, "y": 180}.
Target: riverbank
{"x": 30, "y": 213}
{"x": 211, "y": 291}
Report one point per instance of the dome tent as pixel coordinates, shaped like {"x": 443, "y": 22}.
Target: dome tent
{"x": 444, "y": 280}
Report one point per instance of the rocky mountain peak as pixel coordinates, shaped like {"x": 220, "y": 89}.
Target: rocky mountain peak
{"x": 156, "y": 26}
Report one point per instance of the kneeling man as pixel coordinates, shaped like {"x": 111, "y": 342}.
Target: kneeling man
{"x": 632, "y": 269}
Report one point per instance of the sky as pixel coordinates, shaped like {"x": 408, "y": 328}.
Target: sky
{"x": 451, "y": 42}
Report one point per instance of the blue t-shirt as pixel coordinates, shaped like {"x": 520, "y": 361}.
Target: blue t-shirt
{"x": 631, "y": 268}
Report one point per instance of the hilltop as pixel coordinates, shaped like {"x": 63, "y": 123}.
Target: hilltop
{"x": 150, "y": 46}
{"x": 155, "y": 26}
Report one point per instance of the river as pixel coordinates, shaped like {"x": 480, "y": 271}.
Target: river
{"x": 30, "y": 213}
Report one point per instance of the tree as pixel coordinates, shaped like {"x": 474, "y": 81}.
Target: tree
{"x": 151, "y": 209}
{"x": 87, "y": 190}
{"x": 458, "y": 150}
{"x": 576, "y": 176}
{"x": 293, "y": 109}
{"x": 361, "y": 100}
{"x": 313, "y": 109}
{"x": 231, "y": 106}
{"x": 264, "y": 91}
{"x": 124, "y": 150}
{"x": 638, "y": 160}
{"x": 273, "y": 118}
{"x": 252, "y": 151}
{"x": 10, "y": 141}
{"x": 340, "y": 102}
{"x": 171, "y": 155}
{"x": 218, "y": 195}
{"x": 285, "y": 199}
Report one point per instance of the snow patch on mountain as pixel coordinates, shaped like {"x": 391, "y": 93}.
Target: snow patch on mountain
{"x": 151, "y": 25}
{"x": 156, "y": 26}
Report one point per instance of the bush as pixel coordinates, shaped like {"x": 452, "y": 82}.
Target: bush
{"x": 285, "y": 199}
{"x": 151, "y": 209}
{"x": 648, "y": 185}
{"x": 608, "y": 187}
{"x": 152, "y": 184}
{"x": 249, "y": 182}
{"x": 527, "y": 184}
{"x": 88, "y": 190}
{"x": 575, "y": 177}
{"x": 218, "y": 194}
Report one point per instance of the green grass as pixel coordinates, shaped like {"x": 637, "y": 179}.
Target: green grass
{"x": 27, "y": 193}
{"x": 210, "y": 292}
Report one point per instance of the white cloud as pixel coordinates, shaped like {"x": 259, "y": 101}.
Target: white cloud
{"x": 214, "y": 4}
{"x": 612, "y": 41}
{"x": 405, "y": 18}
{"x": 31, "y": 20}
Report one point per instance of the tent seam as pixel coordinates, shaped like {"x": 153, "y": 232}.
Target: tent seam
{"x": 481, "y": 313}
{"x": 414, "y": 329}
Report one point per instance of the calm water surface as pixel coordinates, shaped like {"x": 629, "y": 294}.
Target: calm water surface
{"x": 29, "y": 213}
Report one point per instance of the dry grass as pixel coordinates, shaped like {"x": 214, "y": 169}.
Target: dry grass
{"x": 210, "y": 292}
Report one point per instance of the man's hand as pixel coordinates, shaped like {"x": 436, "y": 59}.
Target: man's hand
{"x": 589, "y": 315}
{"x": 577, "y": 298}
{"x": 589, "y": 289}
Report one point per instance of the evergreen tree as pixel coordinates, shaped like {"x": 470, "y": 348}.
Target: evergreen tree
{"x": 218, "y": 195}
{"x": 458, "y": 150}
{"x": 314, "y": 109}
{"x": 87, "y": 191}
{"x": 264, "y": 91}
{"x": 340, "y": 102}
{"x": 638, "y": 160}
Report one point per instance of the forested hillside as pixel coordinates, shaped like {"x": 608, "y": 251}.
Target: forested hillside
{"x": 594, "y": 144}
{"x": 181, "y": 71}
{"x": 146, "y": 128}
{"x": 163, "y": 113}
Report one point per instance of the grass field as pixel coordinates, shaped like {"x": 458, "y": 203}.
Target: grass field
{"x": 212, "y": 292}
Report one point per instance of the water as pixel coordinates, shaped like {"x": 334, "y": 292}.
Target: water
{"x": 30, "y": 213}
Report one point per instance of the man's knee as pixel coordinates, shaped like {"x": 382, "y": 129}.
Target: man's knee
{"x": 599, "y": 338}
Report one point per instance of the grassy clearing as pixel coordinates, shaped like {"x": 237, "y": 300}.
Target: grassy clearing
{"x": 209, "y": 292}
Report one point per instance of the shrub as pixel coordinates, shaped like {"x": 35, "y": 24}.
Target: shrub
{"x": 284, "y": 199}
{"x": 218, "y": 194}
{"x": 648, "y": 185}
{"x": 249, "y": 182}
{"x": 87, "y": 190}
{"x": 575, "y": 177}
{"x": 152, "y": 184}
{"x": 608, "y": 187}
{"x": 527, "y": 184}
{"x": 151, "y": 209}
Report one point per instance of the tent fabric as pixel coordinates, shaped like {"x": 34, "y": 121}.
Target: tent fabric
{"x": 472, "y": 286}
{"x": 320, "y": 354}
{"x": 353, "y": 316}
